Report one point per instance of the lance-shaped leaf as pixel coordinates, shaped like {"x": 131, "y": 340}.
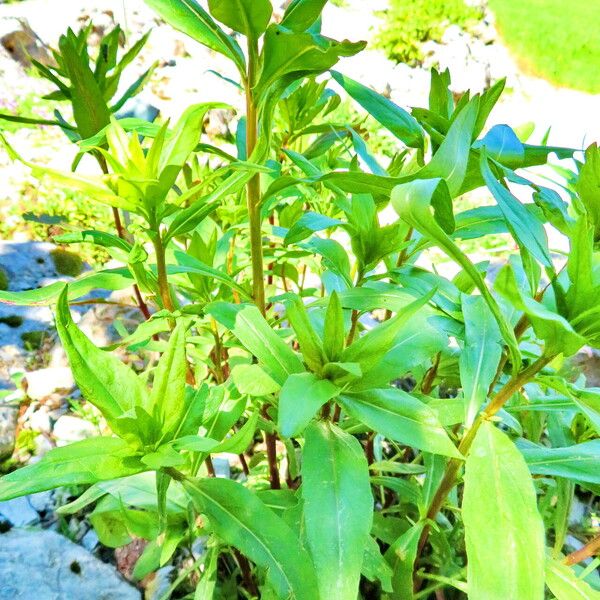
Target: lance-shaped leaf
{"x": 401, "y": 557}
{"x": 526, "y": 228}
{"x": 370, "y": 349}
{"x": 301, "y": 14}
{"x": 85, "y": 462}
{"x": 480, "y": 357}
{"x": 239, "y": 518}
{"x": 426, "y": 205}
{"x": 301, "y": 396}
{"x": 588, "y": 187}
{"x": 95, "y": 188}
{"x": 167, "y": 399}
{"x": 579, "y": 462}
{"x": 255, "y": 334}
{"x": 110, "y": 279}
{"x": 500, "y": 500}
{"x": 103, "y": 379}
{"x": 564, "y": 583}
{"x": 338, "y": 508}
{"x": 190, "y": 18}
{"x": 395, "y": 119}
{"x": 400, "y": 417}
{"x": 249, "y": 17}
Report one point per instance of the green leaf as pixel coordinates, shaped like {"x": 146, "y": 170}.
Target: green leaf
{"x": 249, "y": 17}
{"x": 395, "y": 119}
{"x": 239, "y": 442}
{"x": 301, "y": 14}
{"x": 103, "y": 379}
{"x": 401, "y": 556}
{"x": 239, "y": 518}
{"x": 334, "y": 331}
{"x": 288, "y": 55}
{"x": 371, "y": 348}
{"x": 258, "y": 338}
{"x": 167, "y": 399}
{"x": 526, "y": 229}
{"x": 588, "y": 187}
{"x": 310, "y": 343}
{"x": 252, "y": 380}
{"x": 301, "y": 397}
{"x": 400, "y": 417}
{"x": 414, "y": 202}
{"x": 579, "y": 462}
{"x": 85, "y": 462}
{"x": 338, "y": 508}
{"x": 190, "y": 18}
{"x": 501, "y": 520}
{"x": 564, "y": 583}
{"x": 109, "y": 279}
{"x": 481, "y": 355}
{"x": 90, "y": 110}
{"x": 189, "y": 264}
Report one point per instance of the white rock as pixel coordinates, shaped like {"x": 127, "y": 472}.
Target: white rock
{"x": 42, "y": 383}
{"x": 19, "y": 512}
{"x": 40, "y": 421}
{"x": 37, "y": 565}
{"x": 70, "y": 429}
{"x": 42, "y": 501}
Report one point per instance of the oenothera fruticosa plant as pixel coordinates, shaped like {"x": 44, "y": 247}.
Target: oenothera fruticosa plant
{"x": 399, "y": 433}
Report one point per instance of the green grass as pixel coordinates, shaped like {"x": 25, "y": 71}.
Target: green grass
{"x": 554, "y": 39}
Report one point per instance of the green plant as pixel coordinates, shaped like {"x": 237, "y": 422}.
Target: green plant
{"x": 409, "y": 23}
{"x": 434, "y": 451}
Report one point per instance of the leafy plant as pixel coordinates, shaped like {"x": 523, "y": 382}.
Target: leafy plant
{"x": 407, "y": 24}
{"x": 436, "y": 448}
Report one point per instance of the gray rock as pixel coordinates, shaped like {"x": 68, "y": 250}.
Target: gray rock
{"x": 222, "y": 467}
{"x": 70, "y": 429}
{"x": 9, "y": 414}
{"x": 18, "y": 512}
{"x": 90, "y": 540}
{"x": 42, "y": 501}
{"x": 43, "y": 382}
{"x": 36, "y": 565}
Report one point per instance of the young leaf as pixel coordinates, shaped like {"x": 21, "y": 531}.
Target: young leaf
{"x": 401, "y": 557}
{"x": 85, "y": 462}
{"x": 103, "y": 379}
{"x": 400, "y": 417}
{"x": 503, "y": 528}
{"x": 334, "y": 331}
{"x": 167, "y": 399}
{"x": 248, "y": 17}
{"x": 301, "y": 397}
{"x": 480, "y": 357}
{"x": 338, "y": 508}
{"x": 242, "y": 520}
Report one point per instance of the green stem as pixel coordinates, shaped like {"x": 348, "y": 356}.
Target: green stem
{"x": 453, "y": 467}
{"x": 253, "y": 188}
{"x": 161, "y": 268}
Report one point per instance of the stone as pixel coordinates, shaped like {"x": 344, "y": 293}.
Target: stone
{"x": 37, "y": 565}
{"x": 44, "y": 382}
{"x": 222, "y": 467}
{"x": 42, "y": 502}
{"x": 70, "y": 429}
{"x": 18, "y": 512}
{"x": 23, "y": 44}
{"x": 40, "y": 420}
{"x": 9, "y": 415}
{"x": 90, "y": 540}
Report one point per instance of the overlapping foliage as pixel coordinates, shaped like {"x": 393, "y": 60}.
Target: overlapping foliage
{"x": 438, "y": 446}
